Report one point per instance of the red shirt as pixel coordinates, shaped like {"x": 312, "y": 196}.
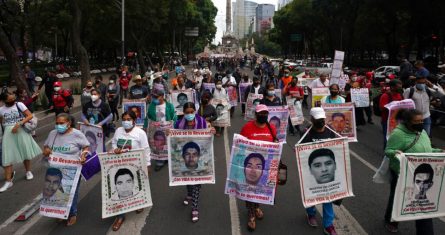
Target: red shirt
{"x": 59, "y": 98}
{"x": 384, "y": 100}
{"x": 124, "y": 82}
{"x": 295, "y": 90}
{"x": 253, "y": 132}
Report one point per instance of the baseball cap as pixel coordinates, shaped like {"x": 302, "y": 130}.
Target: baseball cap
{"x": 137, "y": 77}
{"x": 317, "y": 113}
{"x": 57, "y": 84}
{"x": 261, "y": 108}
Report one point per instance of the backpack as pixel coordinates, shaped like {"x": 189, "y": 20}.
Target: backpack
{"x": 376, "y": 104}
{"x": 411, "y": 92}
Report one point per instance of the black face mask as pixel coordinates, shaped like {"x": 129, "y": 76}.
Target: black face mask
{"x": 319, "y": 123}
{"x": 205, "y": 101}
{"x": 261, "y": 119}
{"x": 334, "y": 93}
{"x": 9, "y": 104}
{"x": 417, "y": 127}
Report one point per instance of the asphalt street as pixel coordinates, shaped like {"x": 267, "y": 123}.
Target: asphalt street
{"x": 362, "y": 214}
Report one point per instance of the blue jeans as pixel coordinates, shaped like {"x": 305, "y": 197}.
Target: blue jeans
{"x": 73, "y": 210}
{"x": 427, "y": 125}
{"x": 328, "y": 213}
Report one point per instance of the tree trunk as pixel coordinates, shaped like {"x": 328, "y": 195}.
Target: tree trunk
{"x": 79, "y": 49}
{"x": 16, "y": 72}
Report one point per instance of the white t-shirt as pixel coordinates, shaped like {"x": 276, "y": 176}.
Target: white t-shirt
{"x": 160, "y": 113}
{"x": 317, "y": 83}
{"x": 231, "y": 80}
{"x": 135, "y": 139}
{"x": 256, "y": 89}
{"x": 220, "y": 94}
{"x": 11, "y": 115}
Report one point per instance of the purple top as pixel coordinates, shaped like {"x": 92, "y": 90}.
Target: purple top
{"x": 200, "y": 123}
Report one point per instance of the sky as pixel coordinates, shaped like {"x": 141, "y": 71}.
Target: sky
{"x": 221, "y": 16}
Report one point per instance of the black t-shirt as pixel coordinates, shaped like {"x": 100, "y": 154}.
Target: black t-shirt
{"x": 314, "y": 136}
{"x": 97, "y": 113}
{"x": 138, "y": 92}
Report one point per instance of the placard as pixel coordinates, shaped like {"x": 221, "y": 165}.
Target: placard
{"x": 251, "y": 103}
{"x": 94, "y": 135}
{"x": 139, "y": 107}
{"x": 233, "y": 95}
{"x": 341, "y": 119}
{"x": 222, "y": 107}
{"x": 360, "y": 97}
{"x": 394, "y": 107}
{"x": 295, "y": 111}
{"x": 157, "y": 139}
{"x": 278, "y": 116}
{"x": 179, "y": 97}
{"x": 317, "y": 94}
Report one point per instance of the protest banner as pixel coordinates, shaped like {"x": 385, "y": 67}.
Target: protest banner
{"x": 94, "y": 135}
{"x": 419, "y": 187}
{"x": 325, "y": 171}
{"x": 251, "y": 103}
{"x": 317, "y": 94}
{"x": 61, "y": 181}
{"x": 305, "y": 82}
{"x": 295, "y": 111}
{"x": 253, "y": 170}
{"x": 278, "y": 116}
{"x": 222, "y": 107}
{"x": 394, "y": 108}
{"x": 157, "y": 139}
{"x": 242, "y": 91}
{"x": 139, "y": 107}
{"x": 190, "y": 157}
{"x": 125, "y": 185}
{"x": 341, "y": 118}
{"x": 210, "y": 87}
{"x": 233, "y": 95}
{"x": 179, "y": 97}
{"x": 337, "y": 66}
{"x": 360, "y": 97}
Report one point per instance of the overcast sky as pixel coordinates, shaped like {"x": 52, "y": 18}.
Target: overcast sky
{"x": 221, "y": 16}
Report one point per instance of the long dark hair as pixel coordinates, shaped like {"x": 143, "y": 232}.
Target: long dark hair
{"x": 189, "y": 105}
{"x": 407, "y": 115}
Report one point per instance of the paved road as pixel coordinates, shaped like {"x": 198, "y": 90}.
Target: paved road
{"x": 362, "y": 214}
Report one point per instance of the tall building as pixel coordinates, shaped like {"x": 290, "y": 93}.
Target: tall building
{"x": 244, "y": 14}
{"x": 264, "y": 17}
{"x": 282, "y": 3}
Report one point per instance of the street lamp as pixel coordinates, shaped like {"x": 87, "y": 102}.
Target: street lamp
{"x": 123, "y": 31}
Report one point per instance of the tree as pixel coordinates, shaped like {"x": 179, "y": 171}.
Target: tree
{"x": 81, "y": 52}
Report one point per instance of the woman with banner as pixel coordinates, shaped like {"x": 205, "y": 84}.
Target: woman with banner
{"x": 70, "y": 142}
{"x": 270, "y": 98}
{"x": 190, "y": 121}
{"x": 408, "y": 137}
{"x": 334, "y": 97}
{"x": 206, "y": 110}
{"x": 129, "y": 137}
{"x": 294, "y": 91}
{"x": 220, "y": 93}
{"x": 258, "y": 129}
{"x": 97, "y": 112}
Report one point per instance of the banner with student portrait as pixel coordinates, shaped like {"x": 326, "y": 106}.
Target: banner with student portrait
{"x": 60, "y": 183}
{"x": 394, "y": 108}
{"x": 179, "y": 97}
{"x": 251, "y": 103}
{"x": 222, "y": 107}
{"x": 157, "y": 139}
{"x": 360, "y": 97}
{"x": 190, "y": 157}
{"x": 209, "y": 87}
{"x": 419, "y": 191}
{"x": 295, "y": 111}
{"x": 233, "y": 95}
{"x": 125, "y": 184}
{"x": 278, "y": 116}
{"x": 242, "y": 91}
{"x": 139, "y": 107}
{"x": 253, "y": 170}
{"x": 317, "y": 94}
{"x": 341, "y": 119}
{"x": 325, "y": 171}
{"x": 94, "y": 135}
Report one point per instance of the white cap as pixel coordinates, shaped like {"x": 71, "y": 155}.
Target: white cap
{"x": 318, "y": 112}
{"x": 38, "y": 79}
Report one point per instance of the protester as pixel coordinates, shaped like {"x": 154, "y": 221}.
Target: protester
{"x": 113, "y": 96}
{"x": 62, "y": 99}
{"x": 85, "y": 97}
{"x": 258, "y": 129}
{"x": 22, "y": 96}
{"x": 100, "y": 86}
{"x": 334, "y": 97}
{"x": 393, "y": 94}
{"x": 139, "y": 91}
{"x": 97, "y": 112}
{"x": 408, "y": 137}
{"x": 48, "y": 82}
{"x": 129, "y": 137}
{"x": 271, "y": 99}
{"x": 245, "y": 79}
{"x": 206, "y": 110}
{"x": 322, "y": 81}
{"x": 286, "y": 79}
{"x": 70, "y": 142}
{"x": 124, "y": 82}
{"x": 30, "y": 78}
{"x": 227, "y": 81}
{"x": 255, "y": 88}
{"x": 159, "y": 83}
{"x": 220, "y": 93}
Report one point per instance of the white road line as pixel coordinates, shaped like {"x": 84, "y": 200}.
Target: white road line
{"x": 369, "y": 165}
{"x": 234, "y": 214}
{"x": 344, "y": 222}
{"x": 15, "y": 215}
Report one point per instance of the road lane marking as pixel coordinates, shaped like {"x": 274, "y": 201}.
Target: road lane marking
{"x": 344, "y": 222}
{"x": 234, "y": 214}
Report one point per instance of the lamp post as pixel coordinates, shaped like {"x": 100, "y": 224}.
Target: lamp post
{"x": 123, "y": 31}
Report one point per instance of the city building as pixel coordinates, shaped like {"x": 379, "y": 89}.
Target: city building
{"x": 264, "y": 17}
{"x": 244, "y": 18}
{"x": 282, "y": 3}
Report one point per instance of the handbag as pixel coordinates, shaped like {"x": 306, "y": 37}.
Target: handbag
{"x": 31, "y": 125}
{"x": 383, "y": 174}
{"x": 282, "y": 168}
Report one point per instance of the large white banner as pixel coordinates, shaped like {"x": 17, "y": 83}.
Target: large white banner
{"x": 190, "y": 157}
{"x": 360, "y": 97}
{"x": 139, "y": 107}
{"x": 157, "y": 139}
{"x": 222, "y": 107}
{"x": 61, "y": 180}
{"x": 179, "y": 98}
{"x": 278, "y": 116}
{"x": 341, "y": 118}
{"x": 94, "y": 135}
{"x": 419, "y": 187}
{"x": 251, "y": 103}
{"x": 295, "y": 111}
{"x": 394, "y": 108}
{"x": 325, "y": 171}
{"x": 125, "y": 185}
{"x": 253, "y": 170}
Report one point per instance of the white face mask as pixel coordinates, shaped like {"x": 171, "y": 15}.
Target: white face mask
{"x": 94, "y": 98}
{"x": 111, "y": 82}
{"x": 57, "y": 88}
{"x": 219, "y": 86}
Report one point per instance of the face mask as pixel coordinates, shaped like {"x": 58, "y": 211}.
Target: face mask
{"x": 61, "y": 128}
{"x": 261, "y": 119}
{"x": 334, "y": 93}
{"x": 57, "y": 88}
{"x": 89, "y": 87}
{"x": 189, "y": 117}
{"x": 127, "y": 124}
{"x": 111, "y": 82}
{"x": 219, "y": 86}
{"x": 270, "y": 93}
{"x": 420, "y": 87}
{"x": 256, "y": 84}
{"x": 94, "y": 98}
{"x": 286, "y": 74}
{"x": 319, "y": 124}
{"x": 417, "y": 127}
{"x": 205, "y": 101}
{"x": 155, "y": 101}
{"x": 9, "y": 104}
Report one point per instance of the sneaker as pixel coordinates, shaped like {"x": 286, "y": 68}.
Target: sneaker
{"x": 259, "y": 214}
{"x": 187, "y": 200}
{"x": 392, "y": 228}
{"x": 29, "y": 175}
{"x": 6, "y": 186}
{"x": 251, "y": 224}
{"x": 330, "y": 230}
{"x": 195, "y": 216}
{"x": 312, "y": 221}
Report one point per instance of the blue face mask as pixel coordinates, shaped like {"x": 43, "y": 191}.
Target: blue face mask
{"x": 61, "y": 128}
{"x": 189, "y": 117}
{"x": 420, "y": 87}
{"x": 270, "y": 93}
{"x": 155, "y": 101}
{"x": 127, "y": 124}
